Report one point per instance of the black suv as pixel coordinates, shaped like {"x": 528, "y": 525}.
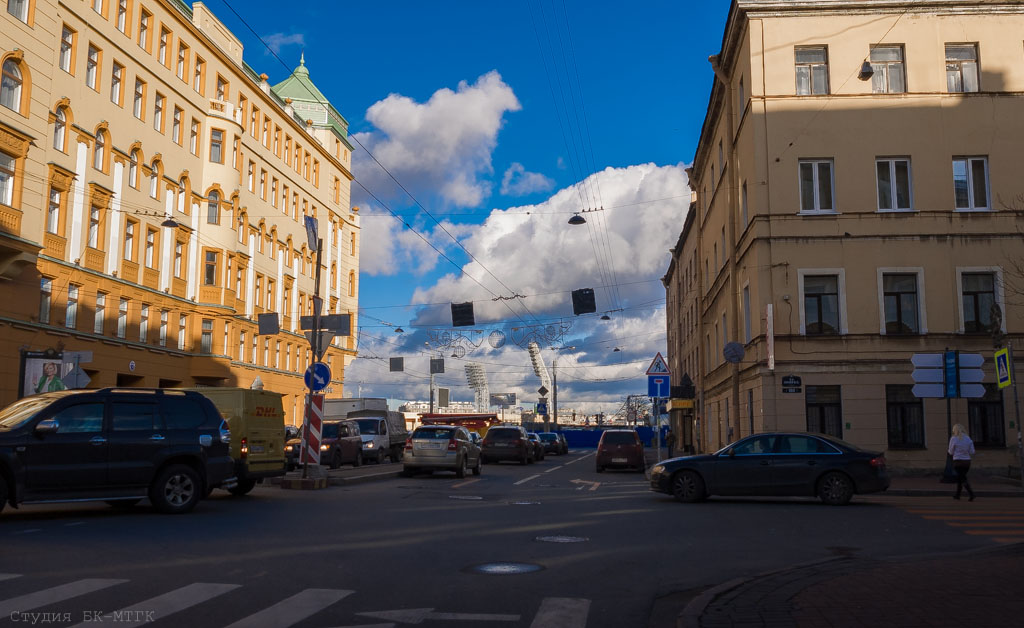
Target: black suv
{"x": 116, "y": 445}
{"x": 507, "y": 442}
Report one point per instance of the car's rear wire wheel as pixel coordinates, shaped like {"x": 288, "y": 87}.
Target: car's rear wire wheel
{"x": 835, "y": 488}
{"x": 688, "y": 487}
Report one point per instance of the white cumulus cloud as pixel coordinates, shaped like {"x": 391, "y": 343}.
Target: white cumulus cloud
{"x": 518, "y": 182}
{"x": 277, "y": 41}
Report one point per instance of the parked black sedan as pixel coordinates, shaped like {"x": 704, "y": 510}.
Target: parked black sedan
{"x": 775, "y": 464}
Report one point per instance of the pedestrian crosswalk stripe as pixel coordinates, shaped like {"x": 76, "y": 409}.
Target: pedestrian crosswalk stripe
{"x": 54, "y": 595}
{"x": 1000, "y": 523}
{"x": 294, "y": 609}
{"x": 167, "y": 604}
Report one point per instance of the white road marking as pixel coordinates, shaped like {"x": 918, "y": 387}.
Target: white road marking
{"x": 167, "y": 604}
{"x": 527, "y": 479}
{"x": 9, "y": 576}
{"x": 391, "y": 625}
{"x": 562, "y": 612}
{"x": 417, "y": 615}
{"x": 553, "y": 468}
{"x": 473, "y": 616}
{"x": 466, "y": 483}
{"x": 593, "y": 485}
{"x": 293, "y": 609}
{"x": 54, "y": 595}
{"x": 74, "y": 523}
{"x": 28, "y": 531}
{"x": 581, "y": 458}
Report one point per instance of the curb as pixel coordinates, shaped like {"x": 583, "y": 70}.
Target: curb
{"x": 348, "y": 481}
{"x": 930, "y": 492}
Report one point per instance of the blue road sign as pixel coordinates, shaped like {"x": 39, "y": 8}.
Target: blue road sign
{"x": 949, "y": 365}
{"x": 318, "y": 376}
{"x": 542, "y": 408}
{"x": 659, "y": 386}
{"x": 1002, "y": 367}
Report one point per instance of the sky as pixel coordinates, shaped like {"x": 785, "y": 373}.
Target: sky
{"x": 479, "y": 129}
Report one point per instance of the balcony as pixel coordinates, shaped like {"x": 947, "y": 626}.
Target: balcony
{"x": 224, "y": 109}
{"x": 210, "y": 294}
{"x": 178, "y": 287}
{"x": 55, "y": 245}
{"x": 93, "y": 259}
{"x": 10, "y": 220}
{"x": 151, "y": 278}
{"x": 130, "y": 271}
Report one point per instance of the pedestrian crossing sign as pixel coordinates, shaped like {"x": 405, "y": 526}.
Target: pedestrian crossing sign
{"x": 1002, "y": 358}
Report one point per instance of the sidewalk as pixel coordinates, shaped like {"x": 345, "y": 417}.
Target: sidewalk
{"x": 976, "y": 589}
{"x": 930, "y": 486}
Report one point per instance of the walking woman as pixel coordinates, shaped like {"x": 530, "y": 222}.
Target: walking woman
{"x": 961, "y": 447}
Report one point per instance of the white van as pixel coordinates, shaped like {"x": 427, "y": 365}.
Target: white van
{"x": 383, "y": 433}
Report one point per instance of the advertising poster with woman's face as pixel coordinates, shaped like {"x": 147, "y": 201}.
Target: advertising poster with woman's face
{"x": 42, "y": 375}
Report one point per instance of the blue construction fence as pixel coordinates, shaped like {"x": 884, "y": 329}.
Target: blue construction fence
{"x": 588, "y": 438}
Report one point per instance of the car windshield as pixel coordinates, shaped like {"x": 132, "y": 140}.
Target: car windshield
{"x": 533, "y": 436}
{"x": 369, "y": 426}
{"x": 549, "y": 437}
{"x": 619, "y": 438}
{"x": 503, "y": 434}
{"x": 434, "y": 433}
{"x": 18, "y": 412}
{"x": 331, "y": 430}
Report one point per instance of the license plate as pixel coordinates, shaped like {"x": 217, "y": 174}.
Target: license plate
{"x": 256, "y": 449}
{"x": 430, "y": 445}
{"x": 619, "y": 460}
{"x": 503, "y": 444}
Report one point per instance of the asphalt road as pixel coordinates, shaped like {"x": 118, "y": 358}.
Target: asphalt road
{"x": 402, "y": 551}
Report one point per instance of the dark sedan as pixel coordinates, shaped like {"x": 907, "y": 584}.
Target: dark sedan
{"x": 777, "y": 464}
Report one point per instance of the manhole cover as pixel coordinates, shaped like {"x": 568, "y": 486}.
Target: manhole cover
{"x": 561, "y": 538}
{"x": 503, "y": 569}
{"x": 468, "y": 497}
{"x": 524, "y": 502}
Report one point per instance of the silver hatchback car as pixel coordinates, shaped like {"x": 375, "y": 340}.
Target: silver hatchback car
{"x": 440, "y": 447}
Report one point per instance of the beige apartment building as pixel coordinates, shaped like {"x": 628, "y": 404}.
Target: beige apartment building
{"x": 858, "y": 200}
{"x": 153, "y": 191}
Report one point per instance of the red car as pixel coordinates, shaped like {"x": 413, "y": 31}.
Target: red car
{"x": 621, "y": 449}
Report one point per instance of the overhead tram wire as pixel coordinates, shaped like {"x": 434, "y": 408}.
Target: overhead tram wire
{"x": 285, "y": 65}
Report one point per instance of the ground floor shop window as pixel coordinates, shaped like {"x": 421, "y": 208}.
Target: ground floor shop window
{"x": 825, "y": 410}
{"x": 985, "y": 416}
{"x": 905, "y": 418}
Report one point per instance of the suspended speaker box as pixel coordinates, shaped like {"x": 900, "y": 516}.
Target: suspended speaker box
{"x": 583, "y": 301}
{"x": 462, "y": 314}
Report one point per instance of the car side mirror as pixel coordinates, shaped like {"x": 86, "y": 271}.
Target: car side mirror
{"x": 47, "y": 426}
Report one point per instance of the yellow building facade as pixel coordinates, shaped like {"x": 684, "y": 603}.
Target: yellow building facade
{"x": 153, "y": 191}
{"x": 858, "y": 201}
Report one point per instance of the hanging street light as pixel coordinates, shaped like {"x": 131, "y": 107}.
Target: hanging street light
{"x": 577, "y": 220}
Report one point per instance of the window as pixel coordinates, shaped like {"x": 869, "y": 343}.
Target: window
{"x": 154, "y": 179}
{"x": 45, "y": 299}
{"x": 985, "y": 418}
{"x": 193, "y": 137}
{"x": 92, "y": 62}
{"x": 176, "y": 126}
{"x": 811, "y": 71}
{"x": 101, "y": 309}
{"x": 252, "y": 176}
{"x": 115, "y": 84}
{"x": 252, "y": 352}
{"x": 163, "y": 327}
{"x": 235, "y": 147}
{"x": 263, "y": 185}
{"x": 904, "y": 417}
{"x": 10, "y": 86}
{"x": 352, "y": 243}
{"x": 133, "y": 169}
{"x": 893, "y": 179}
{"x": 80, "y": 418}
{"x": 99, "y": 150}
{"x": 979, "y": 294}
{"x": 721, "y": 159}
{"x": 122, "y": 318}
{"x": 970, "y": 182}
{"x": 182, "y": 325}
{"x": 144, "y": 324}
{"x": 744, "y": 208}
{"x": 158, "y": 112}
{"x": 273, "y": 191}
{"x": 210, "y": 269}
{"x": 139, "y": 100}
{"x": 71, "y": 313}
{"x": 277, "y": 355}
{"x": 213, "y": 208}
{"x": 824, "y": 410}
{"x": 19, "y": 9}
{"x": 177, "y": 259}
{"x": 254, "y": 121}
{"x": 122, "y": 14}
{"x": 899, "y": 294}
{"x": 97, "y": 6}
{"x": 266, "y": 352}
{"x": 150, "y": 246}
{"x": 129, "y": 241}
{"x": 741, "y": 97}
{"x": 222, "y": 88}
{"x": 206, "y": 337}
{"x": 889, "y": 75}
{"x": 816, "y": 185}
{"x": 94, "y": 227}
{"x": 53, "y": 212}
{"x": 266, "y": 131}
{"x": 60, "y": 126}
{"x": 351, "y": 283}
{"x": 145, "y": 22}
{"x": 241, "y": 346}
{"x": 67, "y": 50}
{"x": 135, "y": 417}
{"x": 746, "y": 315}
{"x": 165, "y": 35}
{"x": 961, "y": 68}
{"x": 199, "y": 76}
{"x": 277, "y": 140}
{"x": 182, "y": 66}
{"x": 7, "y": 163}
{"x": 821, "y": 304}
{"x": 259, "y": 289}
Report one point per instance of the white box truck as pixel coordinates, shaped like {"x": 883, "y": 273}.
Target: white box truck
{"x": 383, "y": 431}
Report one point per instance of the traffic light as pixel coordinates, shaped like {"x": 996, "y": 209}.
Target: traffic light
{"x": 583, "y": 301}
{"x": 462, "y": 314}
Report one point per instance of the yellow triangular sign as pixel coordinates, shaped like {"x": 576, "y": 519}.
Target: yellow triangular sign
{"x": 658, "y": 366}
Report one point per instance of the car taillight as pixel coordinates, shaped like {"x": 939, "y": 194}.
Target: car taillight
{"x": 452, "y": 445}
{"x": 485, "y": 443}
{"x": 408, "y": 444}
{"x": 878, "y": 462}
{"x": 245, "y": 447}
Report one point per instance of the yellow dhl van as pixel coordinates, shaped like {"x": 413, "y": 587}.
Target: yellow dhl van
{"x": 256, "y": 420}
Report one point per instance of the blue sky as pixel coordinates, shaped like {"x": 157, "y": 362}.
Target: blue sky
{"x": 502, "y": 119}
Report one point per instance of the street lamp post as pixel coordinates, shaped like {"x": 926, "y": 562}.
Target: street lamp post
{"x": 554, "y": 386}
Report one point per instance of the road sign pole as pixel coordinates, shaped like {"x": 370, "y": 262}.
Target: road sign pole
{"x": 948, "y": 477}
{"x": 657, "y": 427}
{"x": 1016, "y": 410}
{"x": 315, "y": 342}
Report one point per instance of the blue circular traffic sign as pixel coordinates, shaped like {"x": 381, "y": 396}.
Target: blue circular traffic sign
{"x": 318, "y": 376}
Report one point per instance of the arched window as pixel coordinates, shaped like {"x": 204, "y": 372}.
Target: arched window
{"x": 213, "y": 208}
{"x": 60, "y": 127}
{"x": 133, "y": 169}
{"x": 99, "y": 151}
{"x": 10, "y": 86}
{"x": 181, "y": 195}
{"x": 154, "y": 179}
